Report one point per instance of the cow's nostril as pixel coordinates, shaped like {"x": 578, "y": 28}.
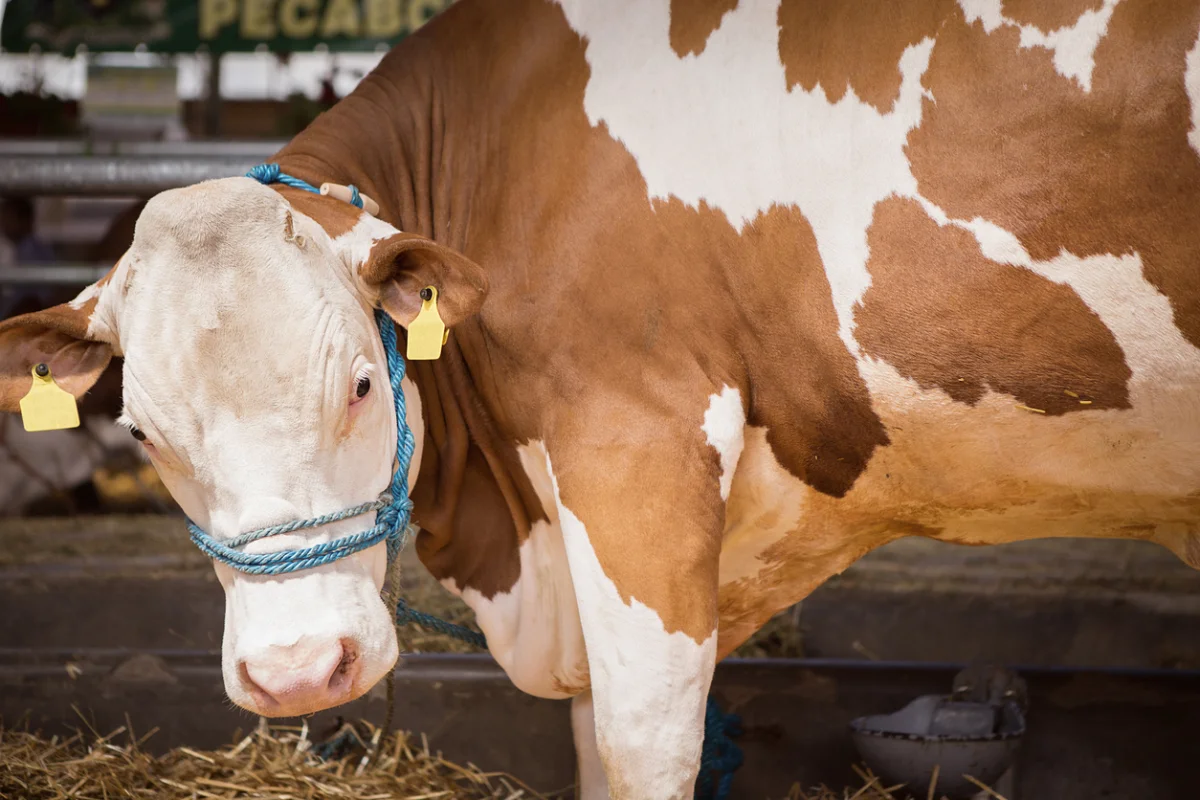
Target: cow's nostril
{"x": 344, "y": 675}
{"x": 261, "y": 696}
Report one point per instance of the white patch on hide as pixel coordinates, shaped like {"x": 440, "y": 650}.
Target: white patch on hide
{"x": 649, "y": 687}
{"x": 1191, "y": 79}
{"x": 765, "y": 505}
{"x": 86, "y": 295}
{"x": 745, "y": 145}
{"x": 1074, "y": 47}
{"x": 724, "y": 422}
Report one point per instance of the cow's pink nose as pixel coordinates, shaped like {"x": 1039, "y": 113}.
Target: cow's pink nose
{"x": 308, "y": 676}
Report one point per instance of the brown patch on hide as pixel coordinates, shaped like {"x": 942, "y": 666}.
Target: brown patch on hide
{"x": 843, "y": 46}
{"x": 1048, "y": 16}
{"x": 693, "y": 21}
{"x": 946, "y": 316}
{"x": 473, "y": 501}
{"x": 337, "y": 218}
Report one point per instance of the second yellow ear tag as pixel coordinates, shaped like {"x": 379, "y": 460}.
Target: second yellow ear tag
{"x": 427, "y": 333}
{"x": 48, "y": 407}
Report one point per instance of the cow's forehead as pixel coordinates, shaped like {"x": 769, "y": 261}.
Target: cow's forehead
{"x": 222, "y": 254}
{"x": 230, "y": 290}
{"x": 209, "y": 217}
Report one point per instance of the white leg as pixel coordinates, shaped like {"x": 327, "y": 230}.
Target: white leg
{"x": 641, "y": 508}
{"x": 593, "y": 784}
{"x": 649, "y": 686}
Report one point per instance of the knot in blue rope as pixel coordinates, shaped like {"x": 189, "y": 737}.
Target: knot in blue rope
{"x": 264, "y": 173}
{"x": 720, "y": 756}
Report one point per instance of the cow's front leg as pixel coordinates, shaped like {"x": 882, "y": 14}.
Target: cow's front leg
{"x": 593, "y": 784}
{"x": 641, "y": 515}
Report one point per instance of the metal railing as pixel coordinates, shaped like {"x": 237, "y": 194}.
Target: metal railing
{"x": 140, "y": 169}
{"x": 53, "y": 274}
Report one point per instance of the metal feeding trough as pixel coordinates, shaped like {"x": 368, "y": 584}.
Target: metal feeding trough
{"x": 975, "y": 731}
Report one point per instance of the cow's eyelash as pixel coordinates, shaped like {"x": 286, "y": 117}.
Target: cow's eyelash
{"x": 365, "y": 371}
{"x": 128, "y": 424}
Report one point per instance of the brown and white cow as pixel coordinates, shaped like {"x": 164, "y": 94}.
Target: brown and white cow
{"x": 768, "y": 284}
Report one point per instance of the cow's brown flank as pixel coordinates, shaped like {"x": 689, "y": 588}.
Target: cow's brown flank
{"x": 981, "y": 325}
{"x": 1108, "y": 171}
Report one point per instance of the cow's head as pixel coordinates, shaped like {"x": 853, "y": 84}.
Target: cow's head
{"x": 255, "y": 376}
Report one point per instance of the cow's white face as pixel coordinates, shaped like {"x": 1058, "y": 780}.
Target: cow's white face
{"x": 248, "y": 336}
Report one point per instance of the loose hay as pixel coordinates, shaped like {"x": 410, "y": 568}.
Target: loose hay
{"x": 872, "y": 788}
{"x": 273, "y": 763}
{"x": 279, "y": 762}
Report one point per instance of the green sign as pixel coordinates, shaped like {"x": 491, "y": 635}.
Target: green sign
{"x": 184, "y": 26}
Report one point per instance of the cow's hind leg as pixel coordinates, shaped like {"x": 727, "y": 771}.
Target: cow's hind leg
{"x": 641, "y": 524}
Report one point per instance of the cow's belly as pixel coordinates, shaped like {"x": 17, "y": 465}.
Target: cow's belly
{"x": 982, "y": 474}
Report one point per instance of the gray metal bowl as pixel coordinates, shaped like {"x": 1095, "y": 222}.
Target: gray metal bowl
{"x": 960, "y": 738}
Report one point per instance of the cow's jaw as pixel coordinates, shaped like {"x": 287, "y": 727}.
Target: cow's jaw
{"x": 244, "y": 329}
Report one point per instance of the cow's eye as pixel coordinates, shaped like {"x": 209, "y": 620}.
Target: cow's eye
{"x": 137, "y": 434}
{"x": 362, "y": 387}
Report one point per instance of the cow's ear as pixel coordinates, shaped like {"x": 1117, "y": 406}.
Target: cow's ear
{"x": 403, "y": 264}
{"x": 57, "y": 337}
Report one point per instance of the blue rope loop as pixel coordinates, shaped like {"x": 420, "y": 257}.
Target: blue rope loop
{"x": 720, "y": 756}
{"x": 269, "y": 173}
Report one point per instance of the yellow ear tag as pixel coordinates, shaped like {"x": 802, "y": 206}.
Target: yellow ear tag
{"x": 48, "y": 407}
{"x": 427, "y": 333}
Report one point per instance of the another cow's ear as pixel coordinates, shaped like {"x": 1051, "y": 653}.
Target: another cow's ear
{"x": 401, "y": 265}
{"x": 57, "y": 337}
